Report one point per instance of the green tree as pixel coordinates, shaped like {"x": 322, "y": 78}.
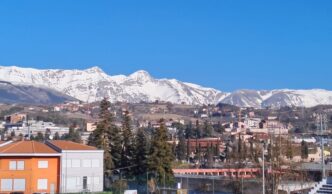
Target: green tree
{"x": 207, "y": 129}
{"x": 128, "y": 149}
{"x": 140, "y": 155}
{"x": 100, "y": 136}
{"x": 39, "y": 137}
{"x": 56, "y": 136}
{"x": 209, "y": 157}
{"x": 304, "y": 150}
{"x": 161, "y": 156}
{"x": 289, "y": 150}
{"x": 73, "y": 135}
{"x": 198, "y": 131}
{"x": 239, "y": 147}
{"x": 181, "y": 148}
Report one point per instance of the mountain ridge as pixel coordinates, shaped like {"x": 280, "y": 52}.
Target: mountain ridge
{"x": 93, "y": 84}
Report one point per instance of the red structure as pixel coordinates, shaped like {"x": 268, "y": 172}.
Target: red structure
{"x": 240, "y": 173}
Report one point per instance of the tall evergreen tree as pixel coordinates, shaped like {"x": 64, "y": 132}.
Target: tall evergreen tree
{"x": 140, "y": 155}
{"x": 189, "y": 130}
{"x": 289, "y": 150}
{"x": 304, "y": 150}
{"x": 181, "y": 149}
{"x": 100, "y": 137}
{"x": 161, "y": 156}
{"x": 198, "y": 131}
{"x": 207, "y": 132}
{"x": 127, "y": 152}
{"x": 209, "y": 157}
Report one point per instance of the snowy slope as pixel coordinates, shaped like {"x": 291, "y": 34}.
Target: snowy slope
{"x": 93, "y": 84}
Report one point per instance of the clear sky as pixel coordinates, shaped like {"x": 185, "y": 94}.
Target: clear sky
{"x": 225, "y": 44}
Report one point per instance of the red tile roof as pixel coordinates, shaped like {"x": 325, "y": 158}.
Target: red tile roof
{"x": 26, "y": 147}
{"x": 69, "y": 145}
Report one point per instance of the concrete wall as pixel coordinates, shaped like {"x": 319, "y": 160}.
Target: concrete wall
{"x": 74, "y": 166}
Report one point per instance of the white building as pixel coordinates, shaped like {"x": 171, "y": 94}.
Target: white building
{"x": 38, "y": 126}
{"x": 252, "y": 122}
{"x": 81, "y": 168}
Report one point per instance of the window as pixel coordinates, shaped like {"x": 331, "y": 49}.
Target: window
{"x": 42, "y": 184}
{"x": 6, "y": 184}
{"x": 64, "y": 163}
{"x": 19, "y": 184}
{"x": 95, "y": 163}
{"x": 12, "y": 165}
{"x": 96, "y": 180}
{"x": 87, "y": 163}
{"x": 76, "y": 163}
{"x": 42, "y": 164}
{"x": 20, "y": 165}
{"x": 16, "y": 165}
{"x": 69, "y": 163}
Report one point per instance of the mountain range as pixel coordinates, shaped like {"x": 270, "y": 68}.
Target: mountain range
{"x": 93, "y": 84}
{"x": 27, "y": 94}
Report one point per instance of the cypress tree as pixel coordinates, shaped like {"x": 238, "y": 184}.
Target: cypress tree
{"x": 181, "y": 147}
{"x": 289, "y": 150}
{"x": 161, "y": 156}
{"x": 304, "y": 150}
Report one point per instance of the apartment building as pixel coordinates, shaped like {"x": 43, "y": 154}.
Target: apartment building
{"x": 28, "y": 167}
{"x": 81, "y": 167}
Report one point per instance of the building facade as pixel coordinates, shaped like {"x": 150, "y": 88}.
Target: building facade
{"x": 29, "y": 167}
{"x": 81, "y": 167}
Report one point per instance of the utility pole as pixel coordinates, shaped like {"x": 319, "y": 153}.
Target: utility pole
{"x": 322, "y": 146}
{"x": 263, "y": 168}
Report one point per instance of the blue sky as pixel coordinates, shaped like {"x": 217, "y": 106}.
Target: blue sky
{"x": 223, "y": 44}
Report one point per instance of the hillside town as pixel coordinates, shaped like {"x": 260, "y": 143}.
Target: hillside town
{"x": 225, "y": 143}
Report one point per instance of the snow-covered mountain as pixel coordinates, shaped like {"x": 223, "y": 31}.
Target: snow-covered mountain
{"x": 279, "y": 98}
{"x": 27, "y": 94}
{"x": 93, "y": 84}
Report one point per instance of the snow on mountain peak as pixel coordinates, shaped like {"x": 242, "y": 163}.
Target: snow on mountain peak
{"x": 93, "y": 84}
{"x": 94, "y": 69}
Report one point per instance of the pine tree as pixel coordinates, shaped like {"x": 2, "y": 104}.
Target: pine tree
{"x": 161, "y": 156}
{"x": 73, "y": 135}
{"x": 198, "y": 132}
{"x": 209, "y": 157}
{"x": 116, "y": 146}
{"x": 207, "y": 132}
{"x": 100, "y": 137}
{"x": 189, "y": 130}
{"x": 252, "y": 151}
{"x": 56, "y": 136}
{"x": 140, "y": 155}
{"x": 127, "y": 152}
{"x": 39, "y": 137}
{"x": 239, "y": 146}
{"x": 181, "y": 149}
{"x": 304, "y": 150}
{"x": 289, "y": 150}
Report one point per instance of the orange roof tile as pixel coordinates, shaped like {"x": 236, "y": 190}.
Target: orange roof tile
{"x": 69, "y": 145}
{"x": 26, "y": 147}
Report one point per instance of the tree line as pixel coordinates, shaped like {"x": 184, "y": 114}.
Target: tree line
{"x": 133, "y": 154}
